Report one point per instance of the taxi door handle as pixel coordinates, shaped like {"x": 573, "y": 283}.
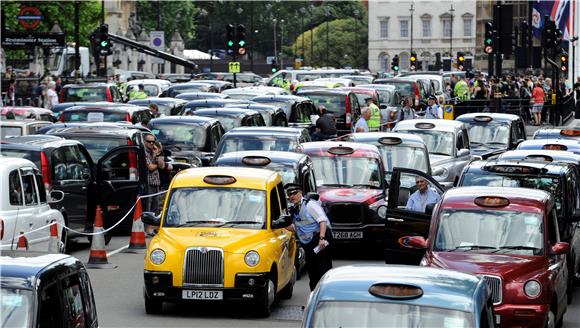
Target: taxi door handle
{"x": 395, "y": 220}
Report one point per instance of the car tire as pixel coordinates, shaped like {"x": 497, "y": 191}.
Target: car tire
{"x": 288, "y": 290}
{"x": 264, "y": 307}
{"x": 152, "y": 306}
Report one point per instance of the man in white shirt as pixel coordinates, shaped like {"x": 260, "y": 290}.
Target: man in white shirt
{"x": 51, "y": 95}
{"x": 362, "y": 123}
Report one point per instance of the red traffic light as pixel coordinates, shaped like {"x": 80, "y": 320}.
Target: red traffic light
{"x": 488, "y": 49}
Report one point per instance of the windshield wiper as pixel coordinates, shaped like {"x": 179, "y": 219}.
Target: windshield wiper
{"x": 193, "y": 223}
{"x": 470, "y": 247}
{"x": 496, "y": 143}
{"x": 239, "y": 222}
{"x": 335, "y": 185}
{"x": 519, "y": 247}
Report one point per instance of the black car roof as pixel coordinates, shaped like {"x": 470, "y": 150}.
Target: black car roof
{"x": 71, "y": 133}
{"x": 282, "y": 157}
{"x": 155, "y": 100}
{"x": 88, "y": 85}
{"x": 18, "y": 267}
{"x": 92, "y": 125}
{"x": 269, "y": 130}
{"x": 229, "y": 111}
{"x": 198, "y": 120}
{"x": 202, "y": 102}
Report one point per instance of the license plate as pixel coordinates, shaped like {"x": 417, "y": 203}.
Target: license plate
{"x": 347, "y": 234}
{"x": 215, "y": 295}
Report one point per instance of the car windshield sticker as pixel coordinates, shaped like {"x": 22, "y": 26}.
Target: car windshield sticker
{"x": 95, "y": 117}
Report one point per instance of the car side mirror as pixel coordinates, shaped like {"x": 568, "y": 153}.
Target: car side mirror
{"x": 560, "y": 248}
{"x": 150, "y": 218}
{"x": 417, "y": 242}
{"x": 437, "y": 172}
{"x": 56, "y": 196}
{"x": 282, "y": 222}
{"x": 463, "y": 152}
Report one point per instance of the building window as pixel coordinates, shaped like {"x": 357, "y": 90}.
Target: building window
{"x": 467, "y": 26}
{"x": 446, "y": 28}
{"x": 384, "y": 28}
{"x": 426, "y": 28}
{"x": 404, "y": 28}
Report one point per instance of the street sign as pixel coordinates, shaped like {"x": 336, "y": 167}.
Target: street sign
{"x": 234, "y": 67}
{"x": 28, "y": 40}
{"x": 448, "y": 112}
{"x": 29, "y": 17}
{"x": 157, "y": 42}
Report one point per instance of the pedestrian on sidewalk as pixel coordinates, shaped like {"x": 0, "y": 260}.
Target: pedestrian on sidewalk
{"x": 538, "y": 98}
{"x": 155, "y": 162}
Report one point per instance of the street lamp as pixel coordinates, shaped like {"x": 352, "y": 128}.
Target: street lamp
{"x": 451, "y": 11}
{"x": 411, "y": 10}
{"x": 281, "y": 42}
{"x": 274, "y": 21}
{"x": 573, "y": 41}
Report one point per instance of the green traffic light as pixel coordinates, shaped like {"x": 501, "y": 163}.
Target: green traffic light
{"x": 242, "y": 43}
{"x": 104, "y": 43}
{"x": 230, "y": 43}
{"x": 273, "y": 70}
{"x": 396, "y": 68}
{"x": 488, "y": 41}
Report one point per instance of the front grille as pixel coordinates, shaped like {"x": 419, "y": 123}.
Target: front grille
{"x": 346, "y": 213}
{"x": 494, "y": 284}
{"x": 203, "y": 266}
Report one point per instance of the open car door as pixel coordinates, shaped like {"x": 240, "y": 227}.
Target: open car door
{"x": 121, "y": 176}
{"x": 401, "y": 221}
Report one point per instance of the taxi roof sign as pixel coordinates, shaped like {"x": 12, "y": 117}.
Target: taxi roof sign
{"x": 341, "y": 150}
{"x": 555, "y": 147}
{"x": 396, "y": 291}
{"x": 219, "y": 179}
{"x": 570, "y": 133}
{"x": 491, "y": 201}
{"x": 483, "y": 118}
{"x": 390, "y": 141}
{"x": 538, "y": 157}
{"x": 256, "y": 160}
{"x": 425, "y": 125}
{"x": 513, "y": 169}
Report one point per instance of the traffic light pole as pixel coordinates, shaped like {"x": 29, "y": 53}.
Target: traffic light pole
{"x": 77, "y": 42}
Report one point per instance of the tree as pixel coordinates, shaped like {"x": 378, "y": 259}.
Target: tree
{"x": 348, "y": 44}
{"x": 172, "y": 16}
{"x": 61, "y": 12}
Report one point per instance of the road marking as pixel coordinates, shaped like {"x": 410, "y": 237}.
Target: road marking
{"x": 117, "y": 250}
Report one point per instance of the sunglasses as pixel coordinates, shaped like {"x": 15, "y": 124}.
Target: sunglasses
{"x": 150, "y": 141}
{"x": 292, "y": 193}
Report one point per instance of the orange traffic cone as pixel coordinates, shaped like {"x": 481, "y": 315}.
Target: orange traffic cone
{"x": 137, "y": 242}
{"x": 53, "y": 242}
{"x": 22, "y": 242}
{"x": 98, "y": 255}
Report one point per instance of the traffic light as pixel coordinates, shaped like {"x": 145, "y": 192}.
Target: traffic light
{"x": 230, "y": 39}
{"x": 460, "y": 61}
{"x": 488, "y": 38}
{"x": 549, "y": 34}
{"x": 241, "y": 37}
{"x": 564, "y": 62}
{"x": 274, "y": 66}
{"x": 395, "y": 64}
{"x": 105, "y": 45}
{"x": 413, "y": 60}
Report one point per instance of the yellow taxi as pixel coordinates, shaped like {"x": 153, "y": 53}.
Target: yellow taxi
{"x": 221, "y": 238}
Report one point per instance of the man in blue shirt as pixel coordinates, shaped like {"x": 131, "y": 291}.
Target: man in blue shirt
{"x": 362, "y": 123}
{"x": 312, "y": 228}
{"x": 422, "y": 197}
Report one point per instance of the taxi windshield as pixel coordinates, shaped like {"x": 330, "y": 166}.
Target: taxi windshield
{"x": 345, "y": 171}
{"x": 406, "y": 157}
{"x": 548, "y": 184}
{"x": 498, "y": 232}
{"x": 376, "y": 314}
{"x": 15, "y": 307}
{"x": 493, "y": 134}
{"x": 85, "y": 94}
{"x": 437, "y": 142}
{"x": 183, "y": 135}
{"x": 262, "y": 143}
{"x": 216, "y": 207}
{"x": 229, "y": 122}
{"x": 333, "y": 103}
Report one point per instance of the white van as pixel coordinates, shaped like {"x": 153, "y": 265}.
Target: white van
{"x": 307, "y": 75}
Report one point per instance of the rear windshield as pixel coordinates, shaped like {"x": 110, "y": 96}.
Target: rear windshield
{"x": 335, "y": 104}
{"x": 85, "y": 94}
{"x": 97, "y": 147}
{"x": 405, "y": 88}
{"x": 10, "y": 131}
{"x": 94, "y": 116}
{"x": 33, "y": 156}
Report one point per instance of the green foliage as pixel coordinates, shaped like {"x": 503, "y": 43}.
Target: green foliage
{"x": 57, "y": 11}
{"x": 173, "y": 16}
{"x": 347, "y": 44}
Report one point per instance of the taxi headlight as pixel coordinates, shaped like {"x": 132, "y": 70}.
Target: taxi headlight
{"x": 157, "y": 256}
{"x": 252, "y": 258}
{"x": 532, "y": 289}
{"x": 382, "y": 212}
{"x": 444, "y": 175}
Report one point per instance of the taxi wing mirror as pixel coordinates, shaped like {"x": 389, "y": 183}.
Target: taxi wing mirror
{"x": 417, "y": 242}
{"x": 463, "y": 152}
{"x": 437, "y": 172}
{"x": 150, "y": 218}
{"x": 56, "y": 196}
{"x": 282, "y": 222}
{"x": 560, "y": 248}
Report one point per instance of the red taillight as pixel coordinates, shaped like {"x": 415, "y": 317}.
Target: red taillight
{"x": 132, "y": 162}
{"x": 416, "y": 87}
{"x": 292, "y": 86}
{"x": 61, "y": 117}
{"x": 45, "y": 169}
{"x": 348, "y": 118}
{"x": 1, "y": 229}
{"x": 109, "y": 96}
{"x": 128, "y": 117}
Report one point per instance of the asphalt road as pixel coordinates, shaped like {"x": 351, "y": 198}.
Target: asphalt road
{"x": 119, "y": 296}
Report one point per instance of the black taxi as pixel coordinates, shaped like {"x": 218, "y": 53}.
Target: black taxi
{"x": 558, "y": 178}
{"x": 40, "y": 289}
{"x": 491, "y": 134}
{"x": 231, "y": 118}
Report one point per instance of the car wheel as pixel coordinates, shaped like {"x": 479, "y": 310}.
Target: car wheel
{"x": 288, "y": 290}
{"x": 268, "y": 296}
{"x": 551, "y": 320}
{"x": 152, "y": 306}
